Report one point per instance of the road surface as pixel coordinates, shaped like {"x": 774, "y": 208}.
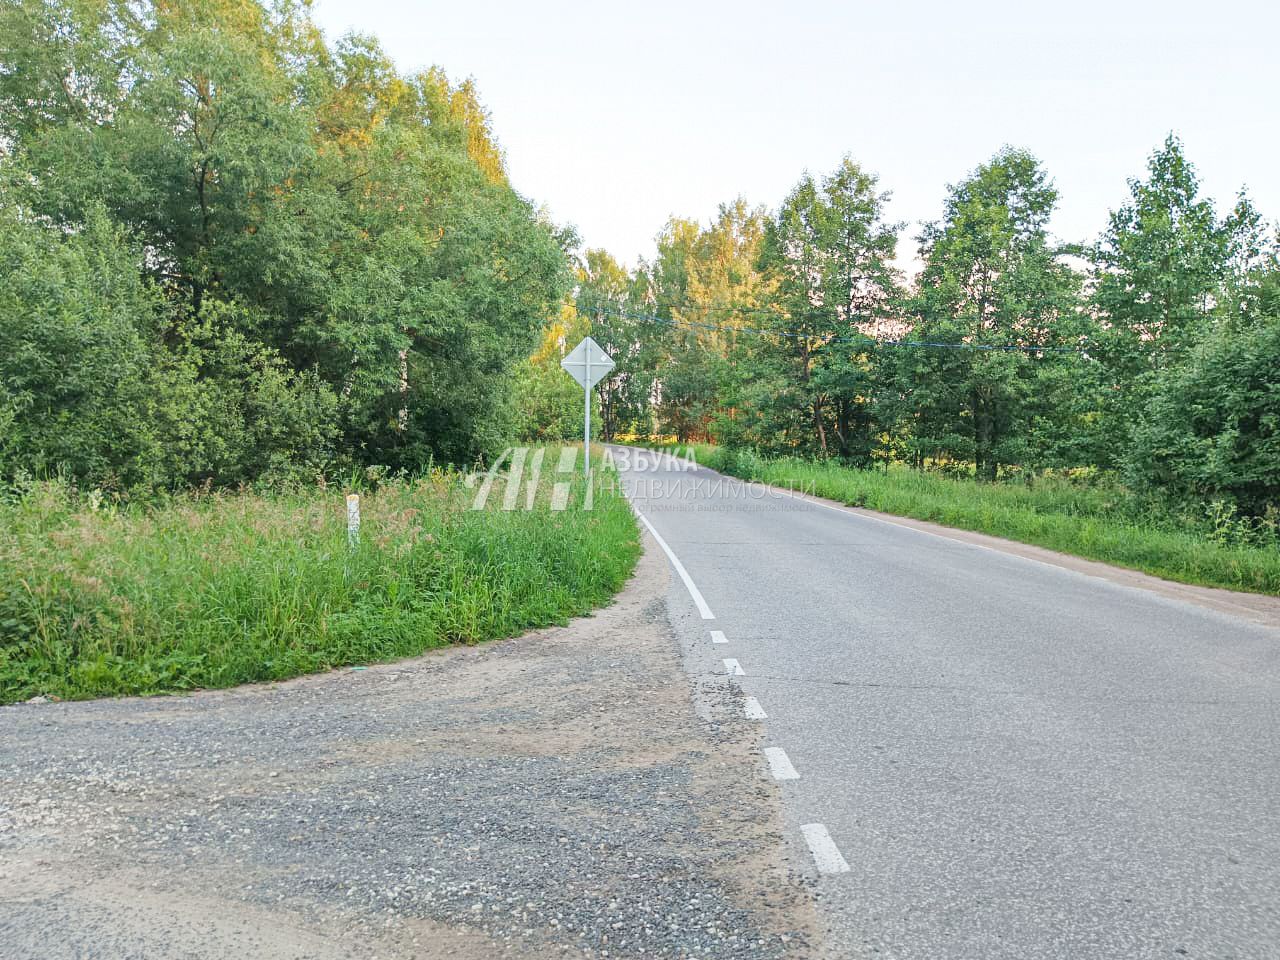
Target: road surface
{"x": 983, "y": 756}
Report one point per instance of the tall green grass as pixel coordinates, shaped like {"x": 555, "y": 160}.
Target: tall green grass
{"x": 221, "y": 589}
{"x": 1093, "y": 521}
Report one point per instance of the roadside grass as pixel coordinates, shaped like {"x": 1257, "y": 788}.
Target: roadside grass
{"x": 220, "y": 589}
{"x": 1092, "y": 521}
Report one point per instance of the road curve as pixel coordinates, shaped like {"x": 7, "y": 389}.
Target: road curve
{"x": 984, "y": 755}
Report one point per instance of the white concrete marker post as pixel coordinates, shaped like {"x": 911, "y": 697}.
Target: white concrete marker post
{"x": 587, "y": 363}
{"x": 353, "y": 519}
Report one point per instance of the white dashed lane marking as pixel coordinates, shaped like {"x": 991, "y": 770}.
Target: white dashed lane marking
{"x": 753, "y": 710}
{"x": 825, "y": 852}
{"x": 734, "y": 669}
{"x": 717, "y": 636}
{"x": 780, "y": 764}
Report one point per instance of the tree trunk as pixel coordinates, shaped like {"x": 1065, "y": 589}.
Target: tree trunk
{"x": 984, "y": 464}
{"x": 607, "y": 425}
{"x": 842, "y": 426}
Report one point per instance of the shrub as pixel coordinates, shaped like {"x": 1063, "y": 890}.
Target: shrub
{"x": 76, "y": 371}
{"x": 1212, "y": 430}
{"x": 228, "y": 410}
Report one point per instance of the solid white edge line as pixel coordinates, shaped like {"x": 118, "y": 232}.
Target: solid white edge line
{"x": 753, "y": 710}
{"x": 780, "y": 764}
{"x": 826, "y": 855}
{"x": 733, "y": 668}
{"x": 694, "y": 592}
{"x": 717, "y": 636}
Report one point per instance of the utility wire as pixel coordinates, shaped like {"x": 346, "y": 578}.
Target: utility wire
{"x": 861, "y": 339}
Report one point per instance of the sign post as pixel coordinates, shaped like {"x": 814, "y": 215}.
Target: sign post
{"x": 588, "y": 364}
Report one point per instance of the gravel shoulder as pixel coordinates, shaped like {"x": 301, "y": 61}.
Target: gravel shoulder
{"x": 555, "y": 795}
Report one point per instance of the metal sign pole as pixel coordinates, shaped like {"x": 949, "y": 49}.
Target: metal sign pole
{"x": 586, "y": 415}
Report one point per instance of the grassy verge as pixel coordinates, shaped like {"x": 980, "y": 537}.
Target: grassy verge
{"x": 223, "y": 589}
{"x": 1086, "y": 521}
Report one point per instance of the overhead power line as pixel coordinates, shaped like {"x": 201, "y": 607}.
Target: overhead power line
{"x": 861, "y": 339}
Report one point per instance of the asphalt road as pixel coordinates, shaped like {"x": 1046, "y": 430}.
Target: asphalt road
{"x": 1012, "y": 759}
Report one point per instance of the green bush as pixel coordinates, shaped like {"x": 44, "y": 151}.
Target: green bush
{"x": 87, "y": 391}
{"x": 1212, "y": 430}
{"x": 228, "y": 410}
{"x": 546, "y": 403}
{"x": 76, "y": 370}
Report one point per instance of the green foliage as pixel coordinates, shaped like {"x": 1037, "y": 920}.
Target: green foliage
{"x": 991, "y": 280}
{"x": 1211, "y": 429}
{"x": 1164, "y": 267}
{"x": 700, "y": 285}
{"x": 229, "y": 410}
{"x": 92, "y": 394}
{"x": 997, "y": 363}
{"x": 77, "y": 322}
{"x": 1163, "y": 259}
{"x": 826, "y": 256}
{"x": 330, "y": 265}
{"x": 546, "y": 403}
{"x": 604, "y": 297}
{"x": 99, "y": 599}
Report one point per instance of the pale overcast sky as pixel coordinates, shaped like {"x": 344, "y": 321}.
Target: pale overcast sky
{"x": 617, "y": 116}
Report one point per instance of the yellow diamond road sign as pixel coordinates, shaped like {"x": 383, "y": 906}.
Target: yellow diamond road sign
{"x": 587, "y": 363}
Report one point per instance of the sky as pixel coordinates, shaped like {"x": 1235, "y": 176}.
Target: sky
{"x": 615, "y": 117}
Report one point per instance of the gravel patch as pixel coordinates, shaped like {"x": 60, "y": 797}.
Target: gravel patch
{"x": 556, "y": 795}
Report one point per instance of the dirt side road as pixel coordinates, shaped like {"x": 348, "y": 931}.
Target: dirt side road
{"x": 550, "y": 796}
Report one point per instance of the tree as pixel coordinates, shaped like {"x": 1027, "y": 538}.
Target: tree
{"x": 828, "y": 253}
{"x": 1162, "y": 267}
{"x": 993, "y": 289}
{"x": 705, "y": 285}
{"x": 1211, "y": 427}
{"x": 685, "y": 388}
{"x": 64, "y": 63}
{"x": 309, "y": 213}
{"x": 77, "y": 320}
